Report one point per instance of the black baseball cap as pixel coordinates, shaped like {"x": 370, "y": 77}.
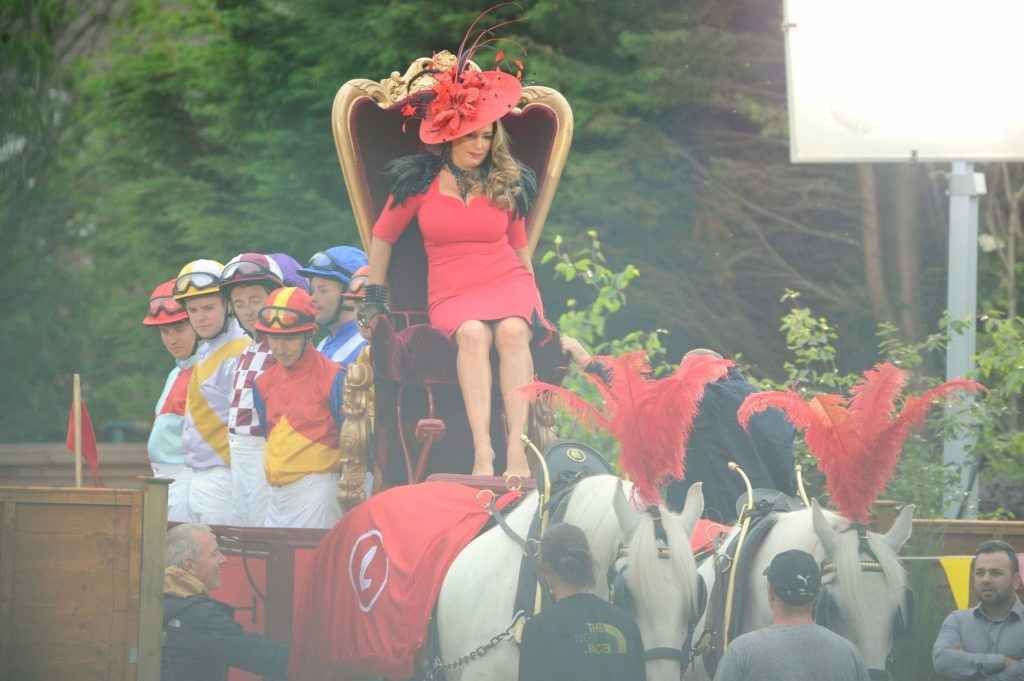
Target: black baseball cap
{"x": 795, "y": 576}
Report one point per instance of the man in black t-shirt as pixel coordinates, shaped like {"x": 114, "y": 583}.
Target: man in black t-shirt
{"x": 580, "y": 637}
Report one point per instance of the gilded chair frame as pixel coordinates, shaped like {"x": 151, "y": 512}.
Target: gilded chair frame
{"x": 391, "y": 91}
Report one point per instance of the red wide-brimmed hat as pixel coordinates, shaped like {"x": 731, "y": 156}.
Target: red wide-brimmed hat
{"x": 466, "y": 102}
{"x": 462, "y": 98}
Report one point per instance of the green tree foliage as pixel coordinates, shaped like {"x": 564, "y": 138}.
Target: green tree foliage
{"x": 38, "y": 266}
{"x": 1001, "y": 368}
{"x": 598, "y": 293}
{"x": 201, "y": 128}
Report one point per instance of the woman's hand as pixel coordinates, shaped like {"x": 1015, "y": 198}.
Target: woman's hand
{"x": 524, "y": 257}
{"x": 375, "y": 300}
{"x": 576, "y": 351}
{"x": 373, "y": 305}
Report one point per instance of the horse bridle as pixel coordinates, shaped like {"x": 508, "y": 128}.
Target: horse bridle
{"x": 826, "y": 607}
{"x": 622, "y": 597}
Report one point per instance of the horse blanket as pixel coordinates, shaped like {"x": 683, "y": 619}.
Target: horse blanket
{"x": 364, "y": 611}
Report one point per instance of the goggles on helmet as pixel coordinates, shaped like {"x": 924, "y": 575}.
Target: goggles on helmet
{"x": 165, "y": 304}
{"x": 196, "y": 280}
{"x": 322, "y": 261}
{"x": 246, "y": 268}
{"x": 284, "y": 318}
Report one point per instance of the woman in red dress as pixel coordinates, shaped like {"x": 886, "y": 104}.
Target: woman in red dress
{"x": 470, "y": 197}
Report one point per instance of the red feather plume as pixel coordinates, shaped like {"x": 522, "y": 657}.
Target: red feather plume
{"x": 857, "y": 442}
{"x": 651, "y": 419}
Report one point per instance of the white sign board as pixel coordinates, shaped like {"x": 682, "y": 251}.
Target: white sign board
{"x": 896, "y": 80}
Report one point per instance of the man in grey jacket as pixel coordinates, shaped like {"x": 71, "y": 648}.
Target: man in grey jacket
{"x": 793, "y": 648}
{"x": 986, "y": 641}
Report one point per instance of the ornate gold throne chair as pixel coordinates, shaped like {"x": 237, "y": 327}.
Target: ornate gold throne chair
{"x": 417, "y": 398}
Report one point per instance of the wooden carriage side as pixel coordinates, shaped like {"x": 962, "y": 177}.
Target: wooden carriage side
{"x": 81, "y": 582}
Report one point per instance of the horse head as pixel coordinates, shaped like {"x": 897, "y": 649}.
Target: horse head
{"x": 864, "y": 595}
{"x": 655, "y": 578}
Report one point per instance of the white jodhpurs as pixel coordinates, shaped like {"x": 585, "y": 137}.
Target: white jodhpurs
{"x": 251, "y": 493}
{"x": 209, "y": 496}
{"x": 311, "y": 501}
{"x": 180, "y": 476}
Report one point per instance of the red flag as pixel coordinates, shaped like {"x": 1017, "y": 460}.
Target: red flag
{"x": 89, "y": 451}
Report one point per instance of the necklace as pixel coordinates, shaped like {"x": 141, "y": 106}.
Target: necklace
{"x": 464, "y": 179}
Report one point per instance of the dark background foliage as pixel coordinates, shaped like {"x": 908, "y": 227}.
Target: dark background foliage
{"x": 136, "y": 136}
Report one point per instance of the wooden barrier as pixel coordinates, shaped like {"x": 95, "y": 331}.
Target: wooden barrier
{"x": 941, "y": 537}
{"x": 49, "y": 464}
{"x": 81, "y": 582}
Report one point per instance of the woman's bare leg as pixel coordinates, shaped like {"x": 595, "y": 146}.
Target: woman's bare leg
{"x": 474, "y": 339}
{"x": 512, "y": 338}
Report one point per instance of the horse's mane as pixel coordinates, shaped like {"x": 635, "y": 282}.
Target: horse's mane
{"x": 847, "y": 561}
{"x": 589, "y": 508}
{"x": 649, "y": 577}
{"x": 895, "y": 574}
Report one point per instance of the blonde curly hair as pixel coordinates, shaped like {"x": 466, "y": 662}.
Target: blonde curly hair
{"x": 501, "y": 184}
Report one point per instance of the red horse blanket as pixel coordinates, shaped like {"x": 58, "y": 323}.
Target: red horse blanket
{"x": 365, "y": 608}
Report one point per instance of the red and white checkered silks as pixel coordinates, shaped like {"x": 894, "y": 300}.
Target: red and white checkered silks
{"x": 242, "y": 418}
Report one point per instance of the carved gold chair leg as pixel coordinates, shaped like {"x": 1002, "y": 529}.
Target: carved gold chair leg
{"x": 358, "y": 408}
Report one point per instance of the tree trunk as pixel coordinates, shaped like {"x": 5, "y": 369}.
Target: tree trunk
{"x": 906, "y": 222}
{"x": 874, "y": 268}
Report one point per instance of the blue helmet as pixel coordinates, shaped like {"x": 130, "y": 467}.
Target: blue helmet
{"x": 338, "y": 263}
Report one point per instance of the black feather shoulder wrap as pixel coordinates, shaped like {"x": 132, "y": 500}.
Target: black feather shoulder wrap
{"x": 412, "y": 175}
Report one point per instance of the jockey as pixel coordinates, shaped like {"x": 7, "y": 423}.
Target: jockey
{"x": 290, "y": 269}
{"x": 245, "y": 282}
{"x": 333, "y": 274}
{"x": 166, "y": 455}
{"x": 205, "y": 434}
{"x": 299, "y": 400}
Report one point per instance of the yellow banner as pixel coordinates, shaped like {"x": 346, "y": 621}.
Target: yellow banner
{"x": 958, "y": 574}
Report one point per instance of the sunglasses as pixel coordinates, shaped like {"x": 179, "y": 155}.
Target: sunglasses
{"x": 198, "y": 280}
{"x": 245, "y": 268}
{"x": 165, "y": 304}
{"x": 322, "y": 261}
{"x": 284, "y": 318}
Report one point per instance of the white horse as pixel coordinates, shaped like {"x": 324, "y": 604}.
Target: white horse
{"x": 479, "y": 590}
{"x": 866, "y": 584}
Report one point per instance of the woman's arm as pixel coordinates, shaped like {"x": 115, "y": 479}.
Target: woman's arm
{"x": 524, "y": 256}
{"x": 390, "y": 225}
{"x": 380, "y": 258}
{"x": 375, "y": 300}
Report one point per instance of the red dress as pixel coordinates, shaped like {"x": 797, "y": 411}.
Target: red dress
{"x": 473, "y": 271}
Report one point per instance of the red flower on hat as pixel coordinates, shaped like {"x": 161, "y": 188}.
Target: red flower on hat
{"x": 462, "y": 98}
{"x": 455, "y": 100}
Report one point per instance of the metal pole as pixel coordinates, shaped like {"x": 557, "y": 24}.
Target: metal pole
{"x": 76, "y": 406}
{"x": 965, "y": 186}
